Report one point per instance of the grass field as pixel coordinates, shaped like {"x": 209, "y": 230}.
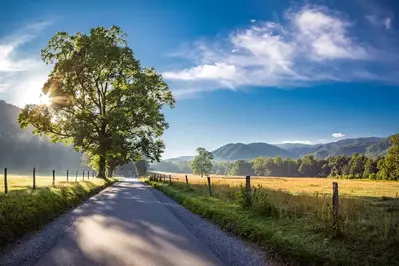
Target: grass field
{"x": 299, "y": 215}
{"x": 23, "y": 182}
{"x": 347, "y": 188}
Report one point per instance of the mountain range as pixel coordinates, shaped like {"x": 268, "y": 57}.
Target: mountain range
{"x": 20, "y": 150}
{"x": 371, "y": 146}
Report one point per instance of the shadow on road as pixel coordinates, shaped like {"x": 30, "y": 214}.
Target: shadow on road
{"x": 128, "y": 226}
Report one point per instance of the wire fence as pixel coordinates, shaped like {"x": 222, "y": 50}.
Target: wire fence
{"x": 12, "y": 179}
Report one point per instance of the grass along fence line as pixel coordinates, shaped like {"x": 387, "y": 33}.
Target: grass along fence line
{"x": 9, "y": 182}
{"x": 306, "y": 185}
{"x": 23, "y": 210}
{"x": 300, "y": 224}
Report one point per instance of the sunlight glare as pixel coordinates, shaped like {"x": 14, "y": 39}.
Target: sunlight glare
{"x": 44, "y": 99}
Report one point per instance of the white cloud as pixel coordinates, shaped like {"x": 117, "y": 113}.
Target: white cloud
{"x": 297, "y": 142}
{"x": 388, "y": 23}
{"x": 21, "y": 75}
{"x": 326, "y": 34}
{"x": 214, "y": 71}
{"x": 313, "y": 44}
{"x": 380, "y": 21}
{"x": 338, "y": 135}
{"x": 253, "y": 20}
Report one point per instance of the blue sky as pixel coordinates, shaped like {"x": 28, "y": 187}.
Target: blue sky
{"x": 242, "y": 71}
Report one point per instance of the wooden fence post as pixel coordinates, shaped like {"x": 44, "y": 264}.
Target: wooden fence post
{"x": 67, "y": 175}
{"x": 34, "y": 178}
{"x": 170, "y": 179}
{"x": 209, "y": 186}
{"x": 76, "y": 177}
{"x": 186, "y": 181}
{"x": 335, "y": 204}
{"x": 53, "y": 178}
{"x": 5, "y": 181}
{"x": 164, "y": 178}
{"x": 248, "y": 190}
{"x": 248, "y": 183}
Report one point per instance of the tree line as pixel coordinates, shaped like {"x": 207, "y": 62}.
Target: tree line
{"x": 349, "y": 167}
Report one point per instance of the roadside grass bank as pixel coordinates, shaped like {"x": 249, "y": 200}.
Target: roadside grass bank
{"x": 24, "y": 211}
{"x": 298, "y": 227}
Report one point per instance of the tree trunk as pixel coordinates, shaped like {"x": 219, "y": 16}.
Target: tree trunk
{"x": 101, "y": 170}
{"x": 103, "y": 151}
{"x": 110, "y": 171}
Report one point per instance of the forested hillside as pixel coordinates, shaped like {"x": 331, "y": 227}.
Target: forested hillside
{"x": 20, "y": 150}
{"x": 371, "y": 147}
{"x": 348, "y": 158}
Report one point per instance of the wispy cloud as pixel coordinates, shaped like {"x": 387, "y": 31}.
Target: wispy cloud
{"x": 297, "y": 142}
{"x": 378, "y": 21}
{"x": 312, "y": 44}
{"x": 338, "y": 135}
{"x": 21, "y": 75}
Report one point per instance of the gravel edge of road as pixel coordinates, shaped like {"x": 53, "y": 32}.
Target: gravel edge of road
{"x": 29, "y": 249}
{"x": 229, "y": 249}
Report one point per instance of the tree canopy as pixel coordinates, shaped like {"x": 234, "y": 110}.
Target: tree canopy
{"x": 202, "y": 163}
{"x": 389, "y": 167}
{"x": 102, "y": 101}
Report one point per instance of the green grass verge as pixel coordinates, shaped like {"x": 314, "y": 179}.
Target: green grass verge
{"x": 28, "y": 210}
{"x": 297, "y": 240}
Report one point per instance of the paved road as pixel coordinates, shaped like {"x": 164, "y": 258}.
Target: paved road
{"x": 129, "y": 226}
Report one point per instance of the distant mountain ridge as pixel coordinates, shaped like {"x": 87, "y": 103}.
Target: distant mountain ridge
{"x": 371, "y": 146}
{"x": 21, "y": 150}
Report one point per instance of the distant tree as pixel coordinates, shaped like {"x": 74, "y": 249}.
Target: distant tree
{"x": 102, "y": 101}
{"x": 309, "y": 166}
{"x": 202, "y": 163}
{"x": 356, "y": 165}
{"x": 338, "y": 165}
{"x": 370, "y": 167}
{"x": 292, "y": 167}
{"x": 278, "y": 166}
{"x": 141, "y": 167}
{"x": 389, "y": 167}
{"x": 259, "y": 166}
{"x": 325, "y": 168}
{"x": 241, "y": 168}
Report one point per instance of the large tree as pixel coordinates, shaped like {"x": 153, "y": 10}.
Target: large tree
{"x": 202, "y": 163}
{"x": 102, "y": 101}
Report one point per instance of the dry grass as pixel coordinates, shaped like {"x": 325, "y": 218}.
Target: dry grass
{"x": 19, "y": 182}
{"x": 368, "y": 211}
{"x": 356, "y": 188}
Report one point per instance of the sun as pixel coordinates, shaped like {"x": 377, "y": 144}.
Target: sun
{"x": 44, "y": 99}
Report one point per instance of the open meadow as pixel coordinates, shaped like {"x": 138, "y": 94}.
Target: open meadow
{"x": 368, "y": 221}
{"x": 296, "y": 185}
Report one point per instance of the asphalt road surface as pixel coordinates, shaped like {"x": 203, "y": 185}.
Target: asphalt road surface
{"x": 128, "y": 226}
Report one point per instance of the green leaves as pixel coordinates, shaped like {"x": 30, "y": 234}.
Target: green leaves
{"x": 103, "y": 101}
{"x": 389, "y": 167}
{"x": 202, "y": 163}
